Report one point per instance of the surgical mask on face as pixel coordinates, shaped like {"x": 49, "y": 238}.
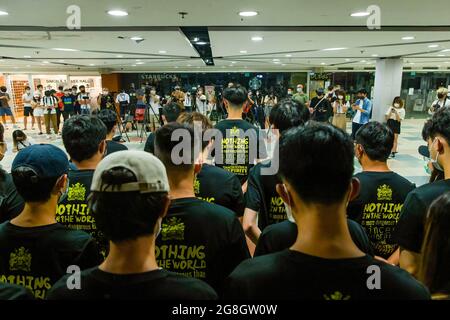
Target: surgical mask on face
{"x": 287, "y": 206}
{"x": 435, "y": 162}
{"x": 153, "y": 92}
{"x": 299, "y": 90}
{"x": 105, "y": 92}
{"x": 340, "y": 97}
{"x": 289, "y": 92}
{"x": 397, "y": 105}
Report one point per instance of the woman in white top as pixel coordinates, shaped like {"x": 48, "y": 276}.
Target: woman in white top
{"x": 442, "y": 101}
{"x": 394, "y": 116}
{"x": 155, "y": 104}
{"x": 340, "y": 107}
{"x": 27, "y": 99}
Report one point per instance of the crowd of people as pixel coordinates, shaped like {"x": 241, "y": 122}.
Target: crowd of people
{"x": 207, "y": 212}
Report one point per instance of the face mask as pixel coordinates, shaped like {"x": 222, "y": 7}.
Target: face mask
{"x": 105, "y": 92}
{"x": 28, "y": 91}
{"x": 397, "y": 105}
{"x": 289, "y": 92}
{"x": 66, "y": 93}
{"x": 341, "y": 97}
{"x": 299, "y": 90}
{"x": 435, "y": 162}
{"x": 153, "y": 92}
{"x": 288, "y": 207}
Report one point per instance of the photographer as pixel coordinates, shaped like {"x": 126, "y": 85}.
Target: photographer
{"x": 105, "y": 100}
{"x": 320, "y": 107}
{"x": 84, "y": 100}
{"x": 178, "y": 97}
{"x": 50, "y": 104}
{"x": 442, "y": 101}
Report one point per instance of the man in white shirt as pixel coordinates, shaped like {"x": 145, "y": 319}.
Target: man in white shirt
{"x": 188, "y": 102}
{"x": 154, "y": 101}
{"x": 84, "y": 100}
{"x": 27, "y": 98}
{"x": 123, "y": 100}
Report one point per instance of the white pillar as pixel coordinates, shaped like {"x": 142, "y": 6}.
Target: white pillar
{"x": 388, "y": 84}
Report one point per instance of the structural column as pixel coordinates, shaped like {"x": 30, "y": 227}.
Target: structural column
{"x": 388, "y": 84}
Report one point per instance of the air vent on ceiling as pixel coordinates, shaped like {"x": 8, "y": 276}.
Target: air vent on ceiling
{"x": 430, "y": 68}
{"x": 345, "y": 68}
{"x": 369, "y": 68}
{"x": 407, "y": 68}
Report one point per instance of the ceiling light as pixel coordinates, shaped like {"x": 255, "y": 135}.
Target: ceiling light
{"x": 334, "y": 49}
{"x": 45, "y": 62}
{"x": 433, "y": 46}
{"x": 408, "y": 38}
{"x": 360, "y": 14}
{"x": 323, "y": 63}
{"x": 91, "y": 64}
{"x": 243, "y": 51}
{"x": 117, "y": 13}
{"x": 363, "y": 61}
{"x": 28, "y": 66}
{"x": 140, "y": 62}
{"x": 137, "y": 60}
{"x": 60, "y": 60}
{"x": 137, "y": 38}
{"x": 411, "y": 63}
{"x": 189, "y": 65}
{"x": 257, "y": 38}
{"x": 289, "y": 55}
{"x": 27, "y": 56}
{"x": 64, "y": 49}
{"x": 374, "y": 55}
{"x": 133, "y": 65}
{"x": 248, "y": 13}
{"x": 446, "y": 50}
{"x": 283, "y": 65}
{"x": 201, "y": 43}
{"x": 233, "y": 61}
{"x": 441, "y": 55}
{"x": 347, "y": 59}
{"x": 3, "y": 13}
{"x": 119, "y": 56}
{"x": 162, "y": 51}
{"x": 276, "y": 60}
{"x": 195, "y": 39}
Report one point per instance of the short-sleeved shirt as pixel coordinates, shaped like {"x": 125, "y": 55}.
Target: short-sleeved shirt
{"x": 113, "y": 146}
{"x": 36, "y": 257}
{"x": 240, "y": 146}
{"x": 27, "y": 98}
{"x": 50, "y": 104}
{"x": 409, "y": 233}
{"x": 11, "y": 203}
{"x": 401, "y": 112}
{"x": 216, "y": 185}
{"x": 68, "y": 103}
{"x": 4, "y": 102}
{"x": 153, "y": 285}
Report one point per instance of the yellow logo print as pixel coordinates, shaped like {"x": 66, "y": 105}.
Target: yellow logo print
{"x": 20, "y": 260}
{"x": 172, "y": 229}
{"x": 196, "y": 186}
{"x": 384, "y": 193}
{"x": 76, "y": 192}
{"x": 234, "y": 131}
{"x": 336, "y": 296}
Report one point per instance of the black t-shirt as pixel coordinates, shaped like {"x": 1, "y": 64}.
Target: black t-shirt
{"x": 292, "y": 275}
{"x": 322, "y": 109}
{"x": 36, "y": 257}
{"x": 73, "y": 208}
{"x": 153, "y": 285}
{"x": 107, "y": 102}
{"x": 14, "y": 292}
{"x": 241, "y": 149}
{"x": 281, "y": 236}
{"x": 150, "y": 143}
{"x": 11, "y": 203}
{"x": 68, "y": 102}
{"x": 410, "y": 229}
{"x": 113, "y": 146}
{"x": 377, "y": 207}
{"x": 201, "y": 240}
{"x": 262, "y": 196}
{"x": 215, "y": 185}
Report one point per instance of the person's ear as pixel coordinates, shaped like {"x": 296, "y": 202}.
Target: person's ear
{"x": 355, "y": 187}
{"x": 283, "y": 192}
{"x": 439, "y": 145}
{"x": 225, "y": 103}
{"x": 102, "y": 147}
{"x": 166, "y": 204}
{"x": 61, "y": 185}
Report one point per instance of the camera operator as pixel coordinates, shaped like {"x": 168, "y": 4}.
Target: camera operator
{"x": 105, "y": 100}
{"x": 123, "y": 100}
{"x": 155, "y": 103}
{"x": 442, "y": 101}
{"x": 178, "y": 97}
{"x": 84, "y": 100}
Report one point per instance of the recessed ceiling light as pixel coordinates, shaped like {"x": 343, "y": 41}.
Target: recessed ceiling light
{"x": 136, "y": 38}
{"x": 360, "y": 14}
{"x": 334, "y": 49}
{"x": 347, "y": 59}
{"x": 433, "y": 46}
{"x": 119, "y": 56}
{"x": 45, "y": 62}
{"x": 27, "y": 56}
{"x": 441, "y": 55}
{"x": 408, "y": 38}
{"x": 289, "y": 55}
{"x": 363, "y": 61}
{"x": 64, "y": 49}
{"x": 243, "y": 51}
{"x": 248, "y": 13}
{"x": 257, "y": 38}
{"x": 447, "y": 61}
{"x": 276, "y": 60}
{"x": 283, "y": 64}
{"x": 189, "y": 65}
{"x": 201, "y": 43}
{"x": 133, "y": 65}
{"x": 446, "y": 50}
{"x": 323, "y": 63}
{"x": 233, "y": 61}
{"x": 162, "y": 51}
{"x": 117, "y": 13}
{"x": 137, "y": 60}
{"x": 91, "y": 64}
{"x": 3, "y": 13}
{"x": 411, "y": 63}
{"x": 195, "y": 39}
{"x": 374, "y": 55}
{"x": 140, "y": 62}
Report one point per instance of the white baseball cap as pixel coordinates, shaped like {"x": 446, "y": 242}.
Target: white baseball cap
{"x": 150, "y": 172}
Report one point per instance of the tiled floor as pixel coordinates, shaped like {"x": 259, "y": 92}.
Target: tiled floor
{"x": 408, "y": 162}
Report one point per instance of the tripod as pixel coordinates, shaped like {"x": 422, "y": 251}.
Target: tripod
{"x": 120, "y": 124}
{"x": 147, "y": 121}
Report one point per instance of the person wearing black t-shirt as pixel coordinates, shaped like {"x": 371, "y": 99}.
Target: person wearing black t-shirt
{"x": 84, "y": 139}
{"x": 410, "y": 229}
{"x": 239, "y": 144}
{"x": 198, "y": 239}
{"x": 170, "y": 113}
{"x": 105, "y": 100}
{"x": 263, "y": 204}
{"x": 229, "y": 192}
{"x": 382, "y": 192}
{"x": 129, "y": 200}
{"x": 109, "y": 119}
{"x": 68, "y": 102}
{"x": 35, "y": 250}
{"x": 320, "y": 107}
{"x": 11, "y": 203}
{"x": 324, "y": 263}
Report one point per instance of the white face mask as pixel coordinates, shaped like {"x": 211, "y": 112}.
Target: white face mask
{"x": 435, "y": 162}
{"x": 340, "y": 97}
{"x": 153, "y": 92}
{"x": 397, "y": 105}
{"x": 287, "y": 206}
{"x": 299, "y": 90}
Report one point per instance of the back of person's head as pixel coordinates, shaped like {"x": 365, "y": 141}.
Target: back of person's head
{"x": 236, "y": 95}
{"x": 129, "y": 195}
{"x": 171, "y": 111}
{"x": 317, "y": 161}
{"x": 435, "y": 264}
{"x": 40, "y": 86}
{"x": 169, "y": 139}
{"x": 375, "y": 140}
{"x": 109, "y": 118}
{"x": 288, "y": 114}
{"x": 38, "y": 172}
{"x": 426, "y": 130}
{"x": 440, "y": 124}
{"x": 194, "y": 119}
{"x": 18, "y": 135}
{"x": 82, "y": 136}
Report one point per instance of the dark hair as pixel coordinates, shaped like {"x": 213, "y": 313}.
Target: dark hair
{"x": 317, "y": 160}
{"x": 74, "y": 87}
{"x": 363, "y": 91}
{"x": 164, "y": 146}
{"x": 60, "y": 88}
{"x": 236, "y": 95}
{"x": 30, "y": 186}
{"x": 39, "y": 86}
{"x": 288, "y": 114}
{"x": 128, "y": 216}
{"x": 399, "y": 100}
{"x": 27, "y": 88}
{"x": 82, "y": 136}
{"x": 341, "y": 92}
{"x": 171, "y": 111}
{"x": 2, "y": 133}
{"x": 376, "y": 139}
{"x": 18, "y": 134}
{"x": 426, "y": 130}
{"x": 435, "y": 263}
{"x": 190, "y": 118}
{"x": 82, "y": 86}
{"x": 109, "y": 118}
{"x": 3, "y": 88}
{"x": 440, "y": 124}
{"x": 330, "y": 87}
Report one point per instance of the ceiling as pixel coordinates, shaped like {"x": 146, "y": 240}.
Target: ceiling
{"x": 295, "y": 35}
